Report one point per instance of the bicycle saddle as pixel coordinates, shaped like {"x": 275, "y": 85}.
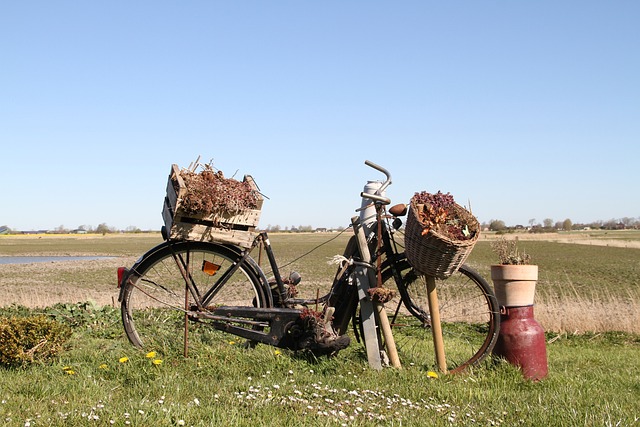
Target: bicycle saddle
{"x": 398, "y": 210}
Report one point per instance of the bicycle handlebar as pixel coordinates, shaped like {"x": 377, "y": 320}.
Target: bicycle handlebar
{"x": 376, "y": 196}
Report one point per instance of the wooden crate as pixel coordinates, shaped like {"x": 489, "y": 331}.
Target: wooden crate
{"x": 239, "y": 229}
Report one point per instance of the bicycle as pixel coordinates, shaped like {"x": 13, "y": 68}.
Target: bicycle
{"x": 181, "y": 288}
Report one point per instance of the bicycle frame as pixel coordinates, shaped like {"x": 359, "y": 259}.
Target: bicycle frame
{"x": 280, "y": 324}
{"x": 268, "y": 311}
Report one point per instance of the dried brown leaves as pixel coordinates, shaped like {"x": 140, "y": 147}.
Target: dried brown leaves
{"x": 440, "y": 213}
{"x": 381, "y": 295}
{"x": 209, "y": 191}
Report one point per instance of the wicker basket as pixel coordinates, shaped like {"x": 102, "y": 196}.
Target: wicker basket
{"x": 434, "y": 254}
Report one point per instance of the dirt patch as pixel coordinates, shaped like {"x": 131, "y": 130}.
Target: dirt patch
{"x": 46, "y": 284}
{"x": 578, "y": 239}
{"x": 600, "y": 242}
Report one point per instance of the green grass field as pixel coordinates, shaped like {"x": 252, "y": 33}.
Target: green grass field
{"x": 594, "y": 375}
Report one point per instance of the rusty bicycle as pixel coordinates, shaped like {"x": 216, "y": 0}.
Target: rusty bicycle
{"x": 182, "y": 290}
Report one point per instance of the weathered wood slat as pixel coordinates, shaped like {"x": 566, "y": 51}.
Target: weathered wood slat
{"x": 367, "y": 313}
{"x": 238, "y": 229}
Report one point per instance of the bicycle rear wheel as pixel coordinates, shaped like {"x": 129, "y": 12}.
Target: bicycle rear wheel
{"x": 469, "y": 315}
{"x": 156, "y": 299}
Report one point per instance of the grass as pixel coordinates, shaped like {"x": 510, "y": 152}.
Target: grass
{"x": 590, "y": 269}
{"x": 581, "y": 288}
{"x": 594, "y": 376}
{"x": 230, "y": 385}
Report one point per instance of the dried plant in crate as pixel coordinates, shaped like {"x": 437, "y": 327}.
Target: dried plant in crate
{"x": 209, "y": 191}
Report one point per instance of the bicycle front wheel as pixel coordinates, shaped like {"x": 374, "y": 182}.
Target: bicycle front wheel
{"x": 469, "y": 315}
{"x": 163, "y": 286}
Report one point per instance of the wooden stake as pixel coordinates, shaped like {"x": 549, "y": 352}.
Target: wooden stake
{"x": 389, "y": 341}
{"x": 436, "y": 327}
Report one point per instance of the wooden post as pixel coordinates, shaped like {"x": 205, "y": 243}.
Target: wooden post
{"x": 377, "y": 307}
{"x": 389, "y": 341}
{"x": 366, "y": 307}
{"x": 436, "y": 327}
{"x": 367, "y": 314}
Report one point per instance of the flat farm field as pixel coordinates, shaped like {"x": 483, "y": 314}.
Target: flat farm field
{"x": 589, "y": 280}
{"x": 587, "y": 294}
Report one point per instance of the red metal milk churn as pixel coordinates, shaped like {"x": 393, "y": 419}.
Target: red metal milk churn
{"x": 521, "y": 340}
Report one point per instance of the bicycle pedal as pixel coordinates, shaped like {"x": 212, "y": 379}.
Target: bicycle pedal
{"x": 384, "y": 358}
{"x": 294, "y": 278}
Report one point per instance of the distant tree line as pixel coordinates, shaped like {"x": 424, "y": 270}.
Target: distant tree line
{"x": 549, "y": 225}
{"x": 297, "y": 229}
{"x": 82, "y": 229}
{"x": 106, "y": 229}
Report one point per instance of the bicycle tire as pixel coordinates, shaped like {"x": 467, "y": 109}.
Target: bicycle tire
{"x": 469, "y": 312}
{"x": 154, "y": 298}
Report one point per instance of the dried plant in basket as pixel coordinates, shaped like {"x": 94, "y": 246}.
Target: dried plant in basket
{"x": 439, "y": 234}
{"x": 439, "y": 212}
{"x": 209, "y": 191}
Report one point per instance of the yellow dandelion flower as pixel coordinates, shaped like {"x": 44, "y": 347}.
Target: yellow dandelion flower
{"x": 69, "y": 372}
{"x": 157, "y": 362}
{"x": 151, "y": 355}
{"x": 277, "y": 352}
{"x": 124, "y": 359}
{"x": 232, "y": 342}
{"x": 432, "y": 374}
{"x": 103, "y": 366}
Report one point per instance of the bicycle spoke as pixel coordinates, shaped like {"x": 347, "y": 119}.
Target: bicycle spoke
{"x": 468, "y": 314}
{"x": 160, "y": 302}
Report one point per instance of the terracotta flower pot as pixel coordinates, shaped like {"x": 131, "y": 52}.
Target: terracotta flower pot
{"x": 514, "y": 285}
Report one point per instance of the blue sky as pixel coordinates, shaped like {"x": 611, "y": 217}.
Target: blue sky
{"x": 527, "y": 110}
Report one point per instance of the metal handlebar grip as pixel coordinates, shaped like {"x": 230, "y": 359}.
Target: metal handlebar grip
{"x": 384, "y": 171}
{"x": 375, "y": 197}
